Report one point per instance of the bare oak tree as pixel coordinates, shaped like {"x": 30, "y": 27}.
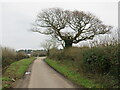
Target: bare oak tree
{"x": 79, "y": 25}
{"x": 49, "y": 44}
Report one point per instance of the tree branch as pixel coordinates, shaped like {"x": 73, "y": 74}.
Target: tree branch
{"x": 84, "y": 38}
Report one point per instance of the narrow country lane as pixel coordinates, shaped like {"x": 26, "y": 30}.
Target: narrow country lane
{"x": 42, "y": 76}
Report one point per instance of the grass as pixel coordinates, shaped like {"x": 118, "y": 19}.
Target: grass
{"x": 16, "y": 71}
{"x": 72, "y": 75}
{"x": 5, "y": 79}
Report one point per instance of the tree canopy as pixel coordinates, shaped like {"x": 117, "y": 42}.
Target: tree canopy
{"x": 69, "y": 26}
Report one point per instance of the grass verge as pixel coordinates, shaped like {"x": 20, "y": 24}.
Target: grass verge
{"x": 72, "y": 75}
{"x": 15, "y": 71}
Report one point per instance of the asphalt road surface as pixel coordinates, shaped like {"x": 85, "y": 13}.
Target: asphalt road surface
{"x": 43, "y": 76}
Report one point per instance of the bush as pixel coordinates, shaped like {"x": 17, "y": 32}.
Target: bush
{"x": 21, "y": 55}
{"x": 9, "y": 56}
{"x": 95, "y": 60}
{"x": 101, "y": 61}
{"x": 55, "y": 54}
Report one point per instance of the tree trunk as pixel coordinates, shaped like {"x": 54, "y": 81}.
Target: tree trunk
{"x": 48, "y": 52}
{"x": 68, "y": 43}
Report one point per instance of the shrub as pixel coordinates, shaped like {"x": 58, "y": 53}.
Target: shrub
{"x": 55, "y": 54}
{"x": 8, "y": 56}
{"x": 95, "y": 60}
{"x": 100, "y": 60}
{"x": 21, "y": 55}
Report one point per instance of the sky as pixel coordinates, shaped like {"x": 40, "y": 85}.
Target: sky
{"x": 17, "y": 17}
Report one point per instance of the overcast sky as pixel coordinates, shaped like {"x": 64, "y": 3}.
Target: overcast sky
{"x": 17, "y": 19}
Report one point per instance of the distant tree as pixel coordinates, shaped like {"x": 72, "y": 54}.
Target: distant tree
{"x": 48, "y": 44}
{"x": 79, "y": 25}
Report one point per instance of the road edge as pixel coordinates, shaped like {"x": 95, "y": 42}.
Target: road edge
{"x": 63, "y": 76}
{"x": 20, "y": 82}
